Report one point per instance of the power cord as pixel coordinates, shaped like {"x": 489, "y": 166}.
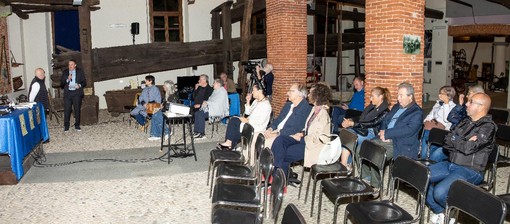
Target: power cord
{"x": 40, "y": 158}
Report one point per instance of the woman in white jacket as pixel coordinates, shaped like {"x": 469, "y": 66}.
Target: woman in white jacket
{"x": 437, "y": 118}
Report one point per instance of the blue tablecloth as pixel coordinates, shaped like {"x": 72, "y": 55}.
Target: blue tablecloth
{"x": 20, "y": 132}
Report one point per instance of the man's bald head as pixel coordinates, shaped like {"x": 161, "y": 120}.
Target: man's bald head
{"x": 478, "y": 106}
{"x": 39, "y": 73}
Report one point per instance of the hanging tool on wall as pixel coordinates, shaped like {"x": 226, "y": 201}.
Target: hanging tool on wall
{"x": 4, "y": 63}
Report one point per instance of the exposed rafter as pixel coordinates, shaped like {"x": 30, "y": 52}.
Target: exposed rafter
{"x": 47, "y": 8}
{"x": 23, "y": 7}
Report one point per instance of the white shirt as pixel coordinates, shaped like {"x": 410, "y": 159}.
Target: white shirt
{"x": 440, "y": 113}
{"x": 33, "y": 93}
{"x": 281, "y": 124}
{"x": 259, "y": 112}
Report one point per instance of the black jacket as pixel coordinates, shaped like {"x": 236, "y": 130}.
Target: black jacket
{"x": 80, "y": 79}
{"x": 472, "y": 154}
{"x": 42, "y": 95}
{"x": 371, "y": 118}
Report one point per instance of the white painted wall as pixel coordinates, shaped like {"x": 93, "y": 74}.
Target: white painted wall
{"x": 30, "y": 42}
{"x": 440, "y": 73}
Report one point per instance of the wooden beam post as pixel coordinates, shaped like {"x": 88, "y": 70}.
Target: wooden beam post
{"x": 227, "y": 38}
{"x": 216, "y": 35}
{"x": 245, "y": 44}
{"x": 357, "y": 63}
{"x": 339, "y": 52}
{"x": 86, "y": 44}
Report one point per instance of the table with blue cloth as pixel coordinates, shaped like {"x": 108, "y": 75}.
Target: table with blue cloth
{"x": 21, "y": 131}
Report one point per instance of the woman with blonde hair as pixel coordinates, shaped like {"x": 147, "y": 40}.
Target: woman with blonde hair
{"x": 157, "y": 118}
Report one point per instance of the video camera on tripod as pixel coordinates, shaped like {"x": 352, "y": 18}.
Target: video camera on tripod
{"x": 251, "y": 68}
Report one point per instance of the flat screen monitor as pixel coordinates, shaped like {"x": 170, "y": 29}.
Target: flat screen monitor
{"x": 186, "y": 81}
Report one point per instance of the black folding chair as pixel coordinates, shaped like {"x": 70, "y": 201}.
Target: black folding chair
{"x": 338, "y": 188}
{"x": 246, "y": 196}
{"x": 436, "y": 137}
{"x": 292, "y": 215}
{"x": 222, "y": 156}
{"x": 406, "y": 170}
{"x": 226, "y": 215}
{"x": 319, "y": 172}
{"x": 499, "y": 116}
{"x": 475, "y": 202}
{"x": 489, "y": 182}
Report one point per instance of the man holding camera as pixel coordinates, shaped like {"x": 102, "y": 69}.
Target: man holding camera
{"x": 265, "y": 77}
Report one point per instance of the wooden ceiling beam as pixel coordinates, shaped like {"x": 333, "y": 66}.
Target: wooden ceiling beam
{"x": 55, "y": 2}
{"x": 47, "y": 8}
{"x": 54, "y": 9}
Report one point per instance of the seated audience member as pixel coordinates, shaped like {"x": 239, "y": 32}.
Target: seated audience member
{"x": 38, "y": 91}
{"x": 357, "y": 103}
{"x": 399, "y": 129}
{"x": 292, "y": 117}
{"x": 307, "y": 144}
{"x": 214, "y": 107}
{"x": 228, "y": 84}
{"x": 469, "y": 144}
{"x": 157, "y": 118}
{"x": 370, "y": 120}
{"x": 259, "y": 112}
{"x": 150, "y": 94}
{"x": 437, "y": 118}
{"x": 457, "y": 114}
{"x": 202, "y": 92}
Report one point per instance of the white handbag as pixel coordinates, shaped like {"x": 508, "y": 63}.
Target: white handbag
{"x": 331, "y": 151}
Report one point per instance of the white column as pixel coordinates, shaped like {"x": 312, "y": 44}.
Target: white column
{"x": 499, "y": 55}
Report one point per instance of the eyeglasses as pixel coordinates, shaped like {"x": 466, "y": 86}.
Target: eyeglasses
{"x": 292, "y": 90}
{"x": 471, "y": 102}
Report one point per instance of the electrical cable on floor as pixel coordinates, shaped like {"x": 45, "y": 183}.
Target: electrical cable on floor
{"x": 40, "y": 157}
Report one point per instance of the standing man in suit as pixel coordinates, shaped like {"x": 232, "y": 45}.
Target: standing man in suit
{"x": 72, "y": 81}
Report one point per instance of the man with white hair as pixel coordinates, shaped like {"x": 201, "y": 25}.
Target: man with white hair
{"x": 293, "y": 115}
{"x": 38, "y": 91}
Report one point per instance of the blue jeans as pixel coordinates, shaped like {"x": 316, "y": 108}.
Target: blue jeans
{"x": 139, "y": 113}
{"x": 199, "y": 126}
{"x": 442, "y": 175}
{"x": 337, "y": 116}
{"x": 157, "y": 125}
{"x": 438, "y": 155}
{"x": 287, "y": 150}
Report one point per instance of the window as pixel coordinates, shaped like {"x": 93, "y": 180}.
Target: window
{"x": 258, "y": 23}
{"x": 166, "y": 20}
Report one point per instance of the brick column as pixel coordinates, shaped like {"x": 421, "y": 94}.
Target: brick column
{"x": 387, "y": 21}
{"x": 286, "y": 45}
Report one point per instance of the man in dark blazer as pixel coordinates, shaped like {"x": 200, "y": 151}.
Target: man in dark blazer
{"x": 400, "y": 128}
{"x": 293, "y": 115}
{"x": 72, "y": 81}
